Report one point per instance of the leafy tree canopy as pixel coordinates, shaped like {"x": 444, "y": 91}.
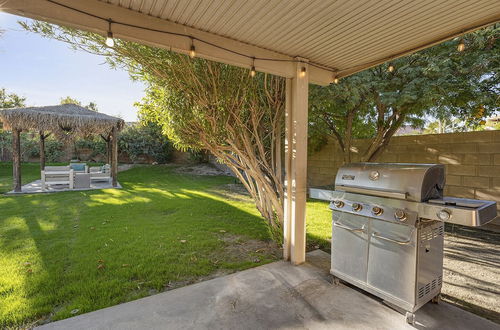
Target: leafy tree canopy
{"x": 69, "y": 100}
{"x": 10, "y": 100}
{"x": 439, "y": 81}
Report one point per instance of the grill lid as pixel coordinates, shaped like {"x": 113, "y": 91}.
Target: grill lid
{"x": 414, "y": 182}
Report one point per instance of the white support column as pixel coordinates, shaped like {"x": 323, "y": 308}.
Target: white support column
{"x": 288, "y": 170}
{"x": 294, "y": 248}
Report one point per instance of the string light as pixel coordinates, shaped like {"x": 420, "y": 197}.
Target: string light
{"x": 110, "y": 42}
{"x": 335, "y": 80}
{"x": 302, "y": 72}
{"x": 252, "y": 70}
{"x": 390, "y": 68}
{"x": 461, "y": 45}
{"x": 192, "y": 49}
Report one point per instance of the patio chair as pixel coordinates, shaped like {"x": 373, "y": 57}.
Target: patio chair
{"x": 56, "y": 175}
{"x": 100, "y": 173}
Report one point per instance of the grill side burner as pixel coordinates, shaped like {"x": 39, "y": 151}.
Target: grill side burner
{"x": 388, "y": 229}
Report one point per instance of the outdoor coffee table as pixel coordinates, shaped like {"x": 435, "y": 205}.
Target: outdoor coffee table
{"x": 82, "y": 180}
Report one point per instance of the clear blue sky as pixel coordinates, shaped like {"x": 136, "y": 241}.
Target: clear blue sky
{"x": 44, "y": 71}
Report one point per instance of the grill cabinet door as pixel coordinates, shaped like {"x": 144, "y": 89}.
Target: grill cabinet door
{"x": 392, "y": 260}
{"x": 350, "y": 245}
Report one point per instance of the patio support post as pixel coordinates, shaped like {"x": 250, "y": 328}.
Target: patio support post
{"x": 114, "y": 156}
{"x": 296, "y": 165}
{"x": 16, "y": 159}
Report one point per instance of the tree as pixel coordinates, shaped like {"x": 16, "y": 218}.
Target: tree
{"x": 8, "y": 100}
{"x": 441, "y": 126}
{"x": 69, "y": 100}
{"x": 204, "y": 105}
{"x": 11, "y": 100}
{"x": 439, "y": 81}
{"x": 145, "y": 139}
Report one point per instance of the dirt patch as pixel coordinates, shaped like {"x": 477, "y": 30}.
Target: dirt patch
{"x": 238, "y": 248}
{"x": 471, "y": 278}
{"x": 201, "y": 169}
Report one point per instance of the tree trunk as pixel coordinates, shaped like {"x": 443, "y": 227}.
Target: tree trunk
{"x": 16, "y": 159}
{"x": 108, "y": 147}
{"x": 42, "y": 151}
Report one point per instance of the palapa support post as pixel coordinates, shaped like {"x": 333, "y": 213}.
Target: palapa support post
{"x": 16, "y": 159}
{"x": 114, "y": 156}
{"x": 109, "y": 148}
{"x": 42, "y": 150}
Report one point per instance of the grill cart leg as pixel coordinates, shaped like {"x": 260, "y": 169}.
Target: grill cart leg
{"x": 436, "y": 299}
{"x": 334, "y": 280}
{"x": 410, "y": 318}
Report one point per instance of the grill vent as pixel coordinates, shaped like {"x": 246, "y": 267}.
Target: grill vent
{"x": 429, "y": 233}
{"x": 421, "y": 292}
{"x": 430, "y": 287}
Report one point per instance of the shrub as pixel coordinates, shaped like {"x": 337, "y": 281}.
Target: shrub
{"x": 145, "y": 139}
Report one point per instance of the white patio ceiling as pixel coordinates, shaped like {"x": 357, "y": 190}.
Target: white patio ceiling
{"x": 342, "y": 36}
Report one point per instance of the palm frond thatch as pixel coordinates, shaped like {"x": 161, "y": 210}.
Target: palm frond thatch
{"x": 65, "y": 120}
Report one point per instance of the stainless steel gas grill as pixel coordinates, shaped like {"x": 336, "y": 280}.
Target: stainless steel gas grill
{"x": 388, "y": 227}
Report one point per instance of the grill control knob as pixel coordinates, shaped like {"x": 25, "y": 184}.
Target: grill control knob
{"x": 357, "y": 207}
{"x": 377, "y": 210}
{"x": 444, "y": 215}
{"x": 338, "y": 204}
{"x": 400, "y": 215}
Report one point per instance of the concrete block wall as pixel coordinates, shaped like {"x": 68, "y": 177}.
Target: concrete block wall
{"x": 472, "y": 161}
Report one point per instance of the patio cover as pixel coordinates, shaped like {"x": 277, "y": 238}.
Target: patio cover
{"x": 302, "y": 40}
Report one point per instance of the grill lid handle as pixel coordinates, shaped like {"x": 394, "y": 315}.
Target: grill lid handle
{"x": 338, "y": 224}
{"x": 377, "y": 235}
{"x": 374, "y": 192}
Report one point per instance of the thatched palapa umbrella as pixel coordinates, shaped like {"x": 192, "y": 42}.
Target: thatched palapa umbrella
{"x": 65, "y": 121}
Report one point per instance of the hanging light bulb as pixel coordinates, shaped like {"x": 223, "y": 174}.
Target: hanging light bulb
{"x": 192, "y": 49}
{"x": 335, "y": 80}
{"x": 110, "y": 42}
{"x": 390, "y": 68}
{"x": 302, "y": 72}
{"x": 252, "y": 69}
{"x": 461, "y": 45}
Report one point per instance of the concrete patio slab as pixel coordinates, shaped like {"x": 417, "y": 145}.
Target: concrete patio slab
{"x": 273, "y": 296}
{"x": 35, "y": 187}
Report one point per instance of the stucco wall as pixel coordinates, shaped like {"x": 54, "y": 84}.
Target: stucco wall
{"x": 472, "y": 161}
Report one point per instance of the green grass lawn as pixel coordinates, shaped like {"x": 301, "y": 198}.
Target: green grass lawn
{"x": 69, "y": 253}
{"x": 29, "y": 172}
